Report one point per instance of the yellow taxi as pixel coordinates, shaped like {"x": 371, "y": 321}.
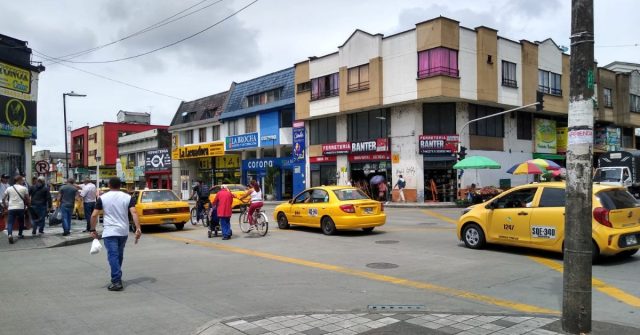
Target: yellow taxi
{"x": 78, "y": 207}
{"x": 533, "y": 216}
{"x": 155, "y": 207}
{"x": 236, "y": 189}
{"x": 331, "y": 208}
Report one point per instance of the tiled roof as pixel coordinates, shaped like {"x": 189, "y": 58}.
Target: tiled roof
{"x": 283, "y": 78}
{"x": 214, "y": 104}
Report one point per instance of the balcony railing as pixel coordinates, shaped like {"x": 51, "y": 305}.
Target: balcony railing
{"x": 550, "y": 90}
{"x": 324, "y": 94}
{"x": 509, "y": 83}
{"x": 438, "y": 71}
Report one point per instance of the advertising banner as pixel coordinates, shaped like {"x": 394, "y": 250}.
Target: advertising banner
{"x": 336, "y": 148}
{"x": 18, "y": 118}
{"x": 341, "y": 148}
{"x": 607, "y": 139}
{"x": 298, "y": 144}
{"x": 228, "y": 162}
{"x": 438, "y": 144}
{"x": 157, "y": 160}
{"x": 199, "y": 150}
{"x": 546, "y": 137}
{"x": 562, "y": 139}
{"x": 242, "y": 141}
{"x": 15, "y": 78}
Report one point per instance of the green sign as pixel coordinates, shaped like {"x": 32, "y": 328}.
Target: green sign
{"x": 590, "y": 79}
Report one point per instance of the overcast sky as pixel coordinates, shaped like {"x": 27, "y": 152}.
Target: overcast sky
{"x": 268, "y": 36}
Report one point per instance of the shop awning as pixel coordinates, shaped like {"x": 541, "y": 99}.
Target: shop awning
{"x": 549, "y": 156}
{"x": 441, "y": 158}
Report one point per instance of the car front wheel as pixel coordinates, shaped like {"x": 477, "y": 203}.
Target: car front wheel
{"x": 473, "y": 236}
{"x": 283, "y": 223}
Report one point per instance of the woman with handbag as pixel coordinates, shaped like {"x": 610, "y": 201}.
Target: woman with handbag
{"x": 16, "y": 199}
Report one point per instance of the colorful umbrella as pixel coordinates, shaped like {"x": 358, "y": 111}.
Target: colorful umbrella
{"x": 476, "y": 162}
{"x": 545, "y": 163}
{"x": 527, "y": 168}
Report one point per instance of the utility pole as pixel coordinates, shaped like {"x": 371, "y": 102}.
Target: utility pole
{"x": 578, "y": 247}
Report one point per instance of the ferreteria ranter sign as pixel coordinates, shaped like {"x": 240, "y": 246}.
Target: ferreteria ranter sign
{"x": 212, "y": 149}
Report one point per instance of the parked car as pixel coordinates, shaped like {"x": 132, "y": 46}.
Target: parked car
{"x": 236, "y": 189}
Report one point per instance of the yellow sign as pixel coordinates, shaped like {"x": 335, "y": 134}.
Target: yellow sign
{"x": 546, "y": 137}
{"x": 228, "y": 162}
{"x": 15, "y": 78}
{"x": 107, "y": 173}
{"x": 562, "y": 139}
{"x": 395, "y": 158}
{"x": 199, "y": 150}
{"x": 205, "y": 163}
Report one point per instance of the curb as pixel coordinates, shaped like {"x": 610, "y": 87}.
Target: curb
{"x": 76, "y": 241}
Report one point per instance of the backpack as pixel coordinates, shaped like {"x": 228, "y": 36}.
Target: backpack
{"x": 203, "y": 192}
{"x": 402, "y": 183}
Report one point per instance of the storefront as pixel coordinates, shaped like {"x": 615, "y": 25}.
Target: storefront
{"x": 439, "y": 155}
{"x": 275, "y": 174}
{"x": 324, "y": 170}
{"x": 197, "y": 160}
{"x": 226, "y": 169}
{"x": 157, "y": 169}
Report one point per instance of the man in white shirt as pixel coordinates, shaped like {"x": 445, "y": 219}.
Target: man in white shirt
{"x": 88, "y": 195}
{"x": 16, "y": 198}
{"x": 116, "y": 206}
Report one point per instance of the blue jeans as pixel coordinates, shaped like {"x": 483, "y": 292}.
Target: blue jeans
{"x": 115, "y": 255}
{"x": 15, "y": 214}
{"x": 41, "y": 210}
{"x": 225, "y": 225}
{"x": 88, "y": 210}
{"x": 66, "y": 218}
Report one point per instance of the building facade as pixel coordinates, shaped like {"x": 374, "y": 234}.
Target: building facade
{"x": 145, "y": 158}
{"x": 18, "y": 102}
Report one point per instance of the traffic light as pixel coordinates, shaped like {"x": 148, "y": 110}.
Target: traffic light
{"x": 540, "y": 100}
{"x": 462, "y": 153}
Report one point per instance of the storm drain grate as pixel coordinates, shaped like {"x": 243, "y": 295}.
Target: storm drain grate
{"x": 382, "y": 265}
{"x": 396, "y": 308}
{"x": 387, "y": 242}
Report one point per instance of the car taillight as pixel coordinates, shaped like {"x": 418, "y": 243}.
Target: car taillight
{"x": 348, "y": 208}
{"x": 382, "y": 206}
{"x": 602, "y": 216}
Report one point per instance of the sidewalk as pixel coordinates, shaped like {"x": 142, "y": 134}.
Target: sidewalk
{"x": 51, "y": 238}
{"x": 405, "y": 323}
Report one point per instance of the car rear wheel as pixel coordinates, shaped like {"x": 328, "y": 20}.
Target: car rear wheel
{"x": 368, "y": 229}
{"x": 628, "y": 253}
{"x": 283, "y": 223}
{"x": 473, "y": 236}
{"x": 328, "y": 227}
{"x": 179, "y": 226}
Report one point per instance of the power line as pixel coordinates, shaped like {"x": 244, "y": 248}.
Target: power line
{"x": 156, "y": 25}
{"x": 618, "y": 46}
{"x": 165, "y": 46}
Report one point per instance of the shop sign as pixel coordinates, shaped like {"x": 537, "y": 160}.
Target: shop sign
{"x": 15, "y": 78}
{"x": 228, "y": 162}
{"x": 157, "y": 160}
{"x": 369, "y": 157}
{"x": 546, "y": 137}
{"x": 607, "y": 139}
{"x": 138, "y": 172}
{"x": 199, "y": 150}
{"x": 298, "y": 143}
{"x": 242, "y": 141}
{"x": 264, "y": 163}
{"x": 323, "y": 159}
{"x": 438, "y": 144}
{"x": 378, "y": 145}
{"x": 336, "y": 148}
{"x": 268, "y": 137}
{"x": 298, "y": 124}
{"x": 562, "y": 139}
{"x": 18, "y": 118}
{"x": 107, "y": 173}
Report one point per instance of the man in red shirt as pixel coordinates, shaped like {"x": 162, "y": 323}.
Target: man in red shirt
{"x": 223, "y": 203}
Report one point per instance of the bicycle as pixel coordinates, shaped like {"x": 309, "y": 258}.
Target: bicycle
{"x": 261, "y": 222}
{"x": 204, "y": 214}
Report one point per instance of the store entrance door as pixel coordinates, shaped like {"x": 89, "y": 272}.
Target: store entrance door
{"x": 439, "y": 180}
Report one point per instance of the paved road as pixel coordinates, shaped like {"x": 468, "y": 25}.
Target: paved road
{"x": 178, "y": 281}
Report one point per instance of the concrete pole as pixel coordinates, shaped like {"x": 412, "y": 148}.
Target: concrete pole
{"x": 578, "y": 246}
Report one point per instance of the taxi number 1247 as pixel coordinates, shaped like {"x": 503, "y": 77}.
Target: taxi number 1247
{"x": 543, "y": 232}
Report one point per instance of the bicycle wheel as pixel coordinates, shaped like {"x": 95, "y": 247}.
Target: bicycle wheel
{"x": 194, "y": 216}
{"x": 206, "y": 216}
{"x": 243, "y": 221}
{"x": 262, "y": 224}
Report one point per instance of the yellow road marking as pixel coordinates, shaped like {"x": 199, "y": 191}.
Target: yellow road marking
{"x": 439, "y": 216}
{"x": 601, "y": 286}
{"x": 369, "y": 275}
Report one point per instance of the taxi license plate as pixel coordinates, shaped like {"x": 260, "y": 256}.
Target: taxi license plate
{"x": 632, "y": 240}
{"x": 368, "y": 210}
{"x": 167, "y": 220}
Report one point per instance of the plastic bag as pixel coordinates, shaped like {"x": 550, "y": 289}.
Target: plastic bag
{"x": 95, "y": 246}
{"x": 56, "y": 217}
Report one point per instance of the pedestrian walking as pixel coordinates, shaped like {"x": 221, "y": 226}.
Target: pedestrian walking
{"x": 223, "y": 203}
{"x": 67, "y": 201}
{"x": 401, "y": 184}
{"x": 116, "y": 206}
{"x": 382, "y": 191}
{"x": 41, "y": 202}
{"x": 16, "y": 198}
{"x": 88, "y": 193}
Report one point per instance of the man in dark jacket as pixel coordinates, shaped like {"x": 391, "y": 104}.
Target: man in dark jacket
{"x": 41, "y": 202}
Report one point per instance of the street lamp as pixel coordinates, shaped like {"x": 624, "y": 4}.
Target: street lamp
{"x": 66, "y": 141}
{"x": 98, "y": 158}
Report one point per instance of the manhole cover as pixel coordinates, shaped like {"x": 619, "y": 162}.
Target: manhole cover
{"x": 387, "y": 242}
{"x": 382, "y": 265}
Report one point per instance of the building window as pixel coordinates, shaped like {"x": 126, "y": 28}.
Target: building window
{"x": 634, "y": 103}
{"x": 549, "y": 82}
{"x": 250, "y": 125}
{"x": 438, "y": 62}
{"x": 606, "y": 94}
{"x": 322, "y": 130}
{"x": 491, "y": 127}
{"x": 509, "y": 74}
{"x": 627, "y": 137}
{"x": 262, "y": 98}
{"x": 370, "y": 125}
{"x": 325, "y": 87}
{"x": 188, "y": 116}
{"x": 232, "y": 127}
{"x": 188, "y": 136}
{"x": 525, "y": 124}
{"x": 215, "y": 132}
{"x": 286, "y": 118}
{"x": 304, "y": 87}
{"x": 358, "y": 78}
{"x": 202, "y": 135}
{"x": 439, "y": 119}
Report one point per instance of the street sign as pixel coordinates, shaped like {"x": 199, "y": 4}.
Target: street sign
{"x": 42, "y": 167}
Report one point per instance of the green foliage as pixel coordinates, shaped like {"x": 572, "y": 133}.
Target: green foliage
{"x": 270, "y": 180}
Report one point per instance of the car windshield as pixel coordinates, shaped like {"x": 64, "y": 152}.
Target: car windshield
{"x": 237, "y": 188}
{"x": 607, "y": 175}
{"x": 158, "y": 196}
{"x": 616, "y": 199}
{"x": 350, "y": 194}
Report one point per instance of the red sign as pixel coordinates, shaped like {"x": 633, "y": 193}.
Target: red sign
{"x": 322, "y": 159}
{"x": 336, "y": 148}
{"x": 298, "y": 124}
{"x": 438, "y": 144}
{"x": 370, "y": 157}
